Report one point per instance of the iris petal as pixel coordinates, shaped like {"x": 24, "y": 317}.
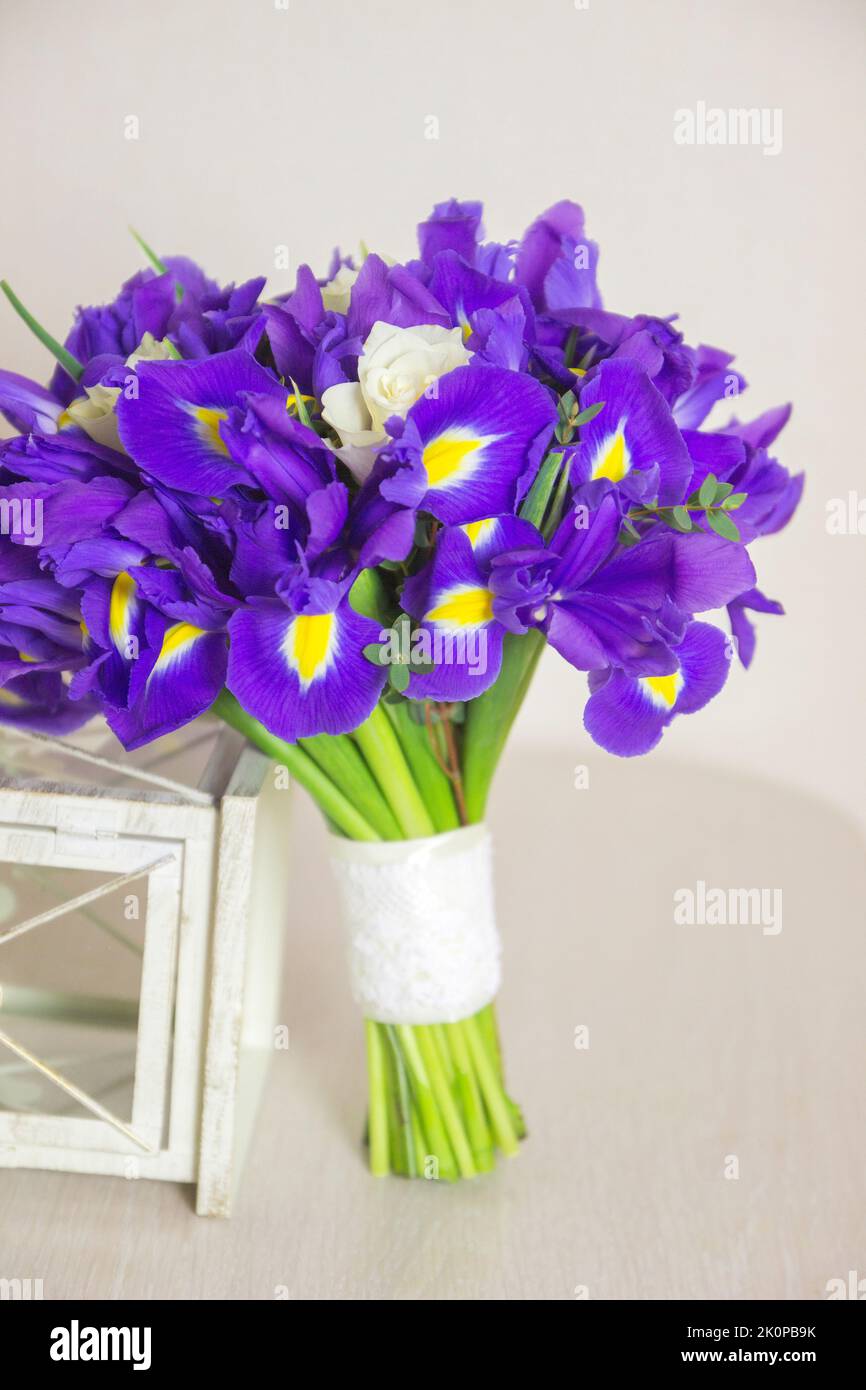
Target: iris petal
{"x": 304, "y": 674}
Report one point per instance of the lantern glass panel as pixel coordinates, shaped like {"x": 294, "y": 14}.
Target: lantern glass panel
{"x": 70, "y": 989}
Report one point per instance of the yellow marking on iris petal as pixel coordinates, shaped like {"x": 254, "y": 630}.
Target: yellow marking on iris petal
{"x": 463, "y": 608}
{"x": 209, "y": 420}
{"x": 22, "y": 656}
{"x": 8, "y": 697}
{"x": 310, "y": 643}
{"x": 613, "y": 461}
{"x": 175, "y": 639}
{"x": 578, "y": 371}
{"x": 664, "y": 689}
{"x": 478, "y": 531}
{"x": 446, "y": 456}
{"x": 120, "y": 603}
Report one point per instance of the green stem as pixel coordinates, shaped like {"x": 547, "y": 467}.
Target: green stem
{"x": 378, "y": 1118}
{"x": 470, "y": 1098}
{"x": 445, "y": 1100}
{"x": 397, "y": 1153}
{"x": 404, "y": 1101}
{"x": 70, "y": 364}
{"x": 432, "y": 782}
{"x": 490, "y": 1088}
{"x": 446, "y": 1060}
{"x": 436, "y": 1140}
{"x": 489, "y": 718}
{"x": 335, "y": 805}
{"x": 340, "y": 760}
{"x": 380, "y": 746}
{"x": 490, "y": 1034}
{"x": 418, "y": 1143}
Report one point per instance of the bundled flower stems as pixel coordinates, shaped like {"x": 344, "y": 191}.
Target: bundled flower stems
{"x": 347, "y": 520}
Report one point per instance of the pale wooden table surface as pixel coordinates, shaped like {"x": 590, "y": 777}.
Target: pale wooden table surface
{"x": 705, "y": 1042}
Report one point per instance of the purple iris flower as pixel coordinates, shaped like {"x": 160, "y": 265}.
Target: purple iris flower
{"x": 296, "y": 660}
{"x": 598, "y": 603}
{"x": 204, "y": 319}
{"x": 452, "y": 226}
{"x": 557, "y": 263}
{"x": 391, "y": 294}
{"x": 310, "y": 347}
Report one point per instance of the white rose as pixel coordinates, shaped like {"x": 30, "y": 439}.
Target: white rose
{"x": 94, "y": 412}
{"x": 396, "y": 367}
{"x": 152, "y": 349}
{"x": 399, "y": 364}
{"x": 337, "y": 293}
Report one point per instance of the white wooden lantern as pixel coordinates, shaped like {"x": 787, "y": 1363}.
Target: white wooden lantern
{"x": 143, "y": 899}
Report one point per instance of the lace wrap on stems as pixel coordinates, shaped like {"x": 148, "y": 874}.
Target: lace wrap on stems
{"x": 419, "y": 915}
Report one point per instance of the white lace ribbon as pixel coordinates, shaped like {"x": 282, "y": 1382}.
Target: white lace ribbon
{"x": 423, "y": 944}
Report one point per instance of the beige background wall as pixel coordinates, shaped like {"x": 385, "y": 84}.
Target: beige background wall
{"x": 262, "y": 125}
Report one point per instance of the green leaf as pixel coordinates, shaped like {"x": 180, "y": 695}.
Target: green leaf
{"x": 159, "y": 265}
{"x": 589, "y": 414}
{"x": 681, "y": 516}
{"x": 557, "y": 506}
{"x": 301, "y": 406}
{"x": 570, "y": 345}
{"x": 707, "y": 490}
{"x": 398, "y": 677}
{"x": 669, "y": 517}
{"x": 723, "y": 525}
{"x": 535, "y": 503}
{"x": 376, "y": 652}
{"x": 70, "y": 364}
{"x": 722, "y": 491}
{"x": 489, "y": 717}
{"x": 368, "y": 596}
{"x": 422, "y": 668}
{"x": 422, "y": 532}
{"x": 403, "y": 631}
{"x": 735, "y": 500}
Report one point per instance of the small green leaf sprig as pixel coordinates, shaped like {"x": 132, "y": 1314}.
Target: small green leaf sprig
{"x": 571, "y": 417}
{"x": 713, "y": 501}
{"x": 396, "y": 651}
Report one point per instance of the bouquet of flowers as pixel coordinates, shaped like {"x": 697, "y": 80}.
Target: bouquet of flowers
{"x": 347, "y": 520}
